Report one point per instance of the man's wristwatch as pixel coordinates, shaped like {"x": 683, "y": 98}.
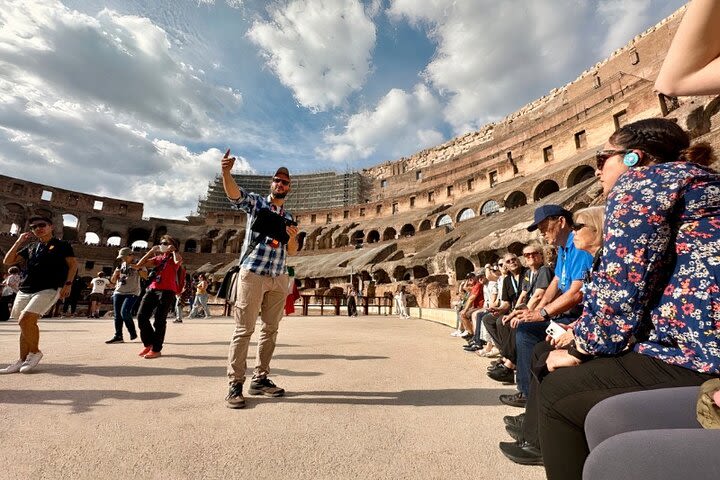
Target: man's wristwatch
{"x": 544, "y": 314}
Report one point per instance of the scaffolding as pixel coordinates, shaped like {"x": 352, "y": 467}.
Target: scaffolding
{"x": 315, "y": 191}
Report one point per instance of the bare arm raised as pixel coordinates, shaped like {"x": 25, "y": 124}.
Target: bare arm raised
{"x": 692, "y": 64}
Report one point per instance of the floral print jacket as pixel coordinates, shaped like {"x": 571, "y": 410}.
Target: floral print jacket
{"x": 658, "y": 279}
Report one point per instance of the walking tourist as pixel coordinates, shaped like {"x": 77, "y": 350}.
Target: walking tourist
{"x": 97, "y": 295}
{"x": 201, "y": 298}
{"x": 9, "y": 288}
{"x": 50, "y": 266}
{"x": 70, "y": 303}
{"x": 127, "y": 288}
{"x": 159, "y": 297}
{"x": 263, "y": 281}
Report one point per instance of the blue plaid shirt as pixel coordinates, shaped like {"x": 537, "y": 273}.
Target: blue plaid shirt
{"x": 264, "y": 258}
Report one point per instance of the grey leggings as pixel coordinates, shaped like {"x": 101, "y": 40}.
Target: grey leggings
{"x": 651, "y": 434}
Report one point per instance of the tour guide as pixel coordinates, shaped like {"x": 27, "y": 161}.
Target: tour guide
{"x": 263, "y": 281}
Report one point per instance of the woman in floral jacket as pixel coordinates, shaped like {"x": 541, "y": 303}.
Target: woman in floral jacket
{"x": 652, "y": 316}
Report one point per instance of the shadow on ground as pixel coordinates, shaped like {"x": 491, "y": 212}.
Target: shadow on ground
{"x": 80, "y": 400}
{"x": 418, "y": 398}
{"x": 70, "y": 370}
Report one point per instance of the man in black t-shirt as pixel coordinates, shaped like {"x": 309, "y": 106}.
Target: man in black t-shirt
{"x": 50, "y": 267}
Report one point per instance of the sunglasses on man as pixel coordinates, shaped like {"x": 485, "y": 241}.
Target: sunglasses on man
{"x": 35, "y": 226}
{"x": 281, "y": 181}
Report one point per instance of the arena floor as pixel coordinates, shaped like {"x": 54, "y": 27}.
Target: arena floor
{"x": 368, "y": 398}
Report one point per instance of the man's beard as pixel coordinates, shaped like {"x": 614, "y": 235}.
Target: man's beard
{"x": 279, "y": 195}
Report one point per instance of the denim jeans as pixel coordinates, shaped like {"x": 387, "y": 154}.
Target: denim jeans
{"x": 200, "y": 302}
{"x": 122, "y": 307}
{"x": 178, "y": 308}
{"x": 527, "y": 336}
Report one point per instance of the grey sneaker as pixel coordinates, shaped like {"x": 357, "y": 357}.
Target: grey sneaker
{"x": 235, "y": 397}
{"x": 265, "y": 386}
{"x": 31, "y": 362}
{"x": 14, "y": 368}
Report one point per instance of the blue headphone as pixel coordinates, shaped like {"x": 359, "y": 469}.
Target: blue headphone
{"x": 631, "y": 159}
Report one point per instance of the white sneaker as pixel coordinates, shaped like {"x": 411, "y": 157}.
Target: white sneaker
{"x": 14, "y": 368}
{"x": 455, "y": 333}
{"x": 31, "y": 362}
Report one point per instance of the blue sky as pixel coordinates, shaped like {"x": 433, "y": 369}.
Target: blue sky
{"x": 136, "y": 99}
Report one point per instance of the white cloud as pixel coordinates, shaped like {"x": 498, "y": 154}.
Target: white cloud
{"x": 494, "y": 56}
{"x": 623, "y": 20}
{"x": 121, "y": 63}
{"x": 401, "y": 124}
{"x": 320, "y": 49}
{"x": 97, "y": 104}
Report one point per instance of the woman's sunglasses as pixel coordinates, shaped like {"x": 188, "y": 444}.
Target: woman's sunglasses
{"x": 602, "y": 156}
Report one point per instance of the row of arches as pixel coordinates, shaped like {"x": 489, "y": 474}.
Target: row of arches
{"x": 514, "y": 199}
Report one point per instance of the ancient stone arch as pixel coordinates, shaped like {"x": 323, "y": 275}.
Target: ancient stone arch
{"x": 443, "y": 220}
{"x": 579, "y": 174}
{"x": 463, "y": 266}
{"x": 489, "y": 207}
{"x": 465, "y": 214}
{"x": 71, "y": 227}
{"x": 399, "y": 273}
{"x": 407, "y": 230}
{"x": 114, "y": 238}
{"x": 515, "y": 199}
{"x": 301, "y": 240}
{"x": 389, "y": 234}
{"x": 138, "y": 234}
{"x": 419, "y": 271}
{"x": 342, "y": 240}
{"x": 425, "y": 225}
{"x": 158, "y": 232}
{"x": 357, "y": 237}
{"x": 545, "y": 188}
{"x": 488, "y": 256}
{"x": 516, "y": 248}
{"x": 373, "y": 236}
{"x": 381, "y": 276}
{"x": 191, "y": 245}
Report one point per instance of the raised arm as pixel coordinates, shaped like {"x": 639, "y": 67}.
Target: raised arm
{"x": 231, "y": 187}
{"x": 692, "y": 66}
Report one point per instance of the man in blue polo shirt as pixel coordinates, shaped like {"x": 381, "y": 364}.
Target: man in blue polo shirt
{"x": 262, "y": 282}
{"x": 562, "y": 301}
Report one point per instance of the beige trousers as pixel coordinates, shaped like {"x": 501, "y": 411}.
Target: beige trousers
{"x": 256, "y": 293}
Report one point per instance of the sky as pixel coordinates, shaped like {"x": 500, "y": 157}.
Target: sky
{"x": 139, "y": 99}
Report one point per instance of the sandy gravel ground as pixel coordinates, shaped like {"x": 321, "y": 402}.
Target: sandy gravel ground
{"x": 368, "y": 398}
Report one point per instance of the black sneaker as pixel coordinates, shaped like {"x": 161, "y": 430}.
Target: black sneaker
{"x": 235, "y": 397}
{"x": 115, "y": 340}
{"x": 133, "y": 336}
{"x": 515, "y": 400}
{"x": 265, "y": 386}
{"x": 514, "y": 420}
{"x": 503, "y": 375}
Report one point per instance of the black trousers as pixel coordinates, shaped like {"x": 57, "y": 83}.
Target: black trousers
{"x": 70, "y": 303}
{"x": 503, "y": 336}
{"x": 158, "y": 302}
{"x": 6, "y": 303}
{"x": 351, "y": 307}
{"x": 566, "y": 396}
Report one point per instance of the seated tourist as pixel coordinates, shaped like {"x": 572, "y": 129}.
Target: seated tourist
{"x": 651, "y": 318}
{"x": 535, "y": 280}
{"x": 473, "y": 303}
{"x": 509, "y": 294}
{"x": 588, "y": 227}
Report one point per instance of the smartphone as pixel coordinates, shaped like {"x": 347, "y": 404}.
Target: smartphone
{"x": 555, "y": 330}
